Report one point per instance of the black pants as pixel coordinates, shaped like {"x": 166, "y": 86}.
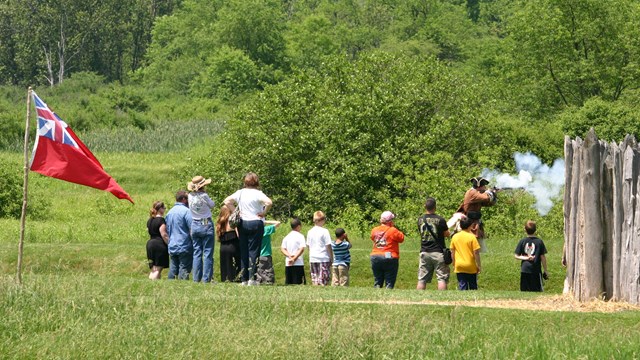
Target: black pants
{"x": 384, "y": 271}
{"x": 230, "y": 260}
{"x": 294, "y": 275}
{"x": 250, "y": 240}
{"x": 467, "y": 281}
{"x": 530, "y": 282}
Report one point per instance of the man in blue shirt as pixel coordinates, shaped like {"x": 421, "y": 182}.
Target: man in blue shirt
{"x": 178, "y": 222}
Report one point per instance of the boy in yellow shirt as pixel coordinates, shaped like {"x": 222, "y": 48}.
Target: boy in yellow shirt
{"x": 465, "y": 251}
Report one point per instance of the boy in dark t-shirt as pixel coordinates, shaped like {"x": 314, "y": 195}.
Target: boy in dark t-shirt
{"x": 531, "y": 251}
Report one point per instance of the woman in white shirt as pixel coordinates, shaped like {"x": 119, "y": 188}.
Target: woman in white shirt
{"x": 202, "y": 233}
{"x": 254, "y": 205}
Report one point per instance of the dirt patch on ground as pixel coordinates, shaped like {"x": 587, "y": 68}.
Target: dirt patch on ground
{"x": 550, "y": 303}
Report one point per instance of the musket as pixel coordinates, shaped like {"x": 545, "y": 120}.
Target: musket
{"x": 509, "y": 188}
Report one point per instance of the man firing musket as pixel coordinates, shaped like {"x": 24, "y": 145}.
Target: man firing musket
{"x": 474, "y": 199}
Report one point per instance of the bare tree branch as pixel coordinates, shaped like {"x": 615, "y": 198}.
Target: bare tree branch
{"x": 47, "y": 55}
{"x": 556, "y": 83}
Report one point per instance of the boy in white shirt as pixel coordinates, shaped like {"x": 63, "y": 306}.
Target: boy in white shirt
{"x": 292, "y": 248}
{"x": 320, "y": 253}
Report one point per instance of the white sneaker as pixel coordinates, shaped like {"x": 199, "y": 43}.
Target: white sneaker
{"x": 253, "y": 283}
{"x": 244, "y": 283}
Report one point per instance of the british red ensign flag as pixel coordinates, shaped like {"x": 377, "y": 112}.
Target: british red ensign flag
{"x": 60, "y": 154}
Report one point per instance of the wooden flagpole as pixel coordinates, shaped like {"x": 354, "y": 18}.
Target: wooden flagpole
{"x": 24, "y": 192}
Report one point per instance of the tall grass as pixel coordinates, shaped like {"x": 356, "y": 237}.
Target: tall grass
{"x": 162, "y": 138}
{"x": 110, "y": 316}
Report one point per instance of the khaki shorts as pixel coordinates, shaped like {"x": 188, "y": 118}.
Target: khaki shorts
{"x": 431, "y": 262}
{"x": 340, "y": 275}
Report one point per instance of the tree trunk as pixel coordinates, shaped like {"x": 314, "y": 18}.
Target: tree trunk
{"x": 50, "y": 78}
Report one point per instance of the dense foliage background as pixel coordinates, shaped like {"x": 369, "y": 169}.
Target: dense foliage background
{"x": 347, "y": 106}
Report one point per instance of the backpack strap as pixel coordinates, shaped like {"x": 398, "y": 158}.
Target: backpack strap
{"x": 435, "y": 238}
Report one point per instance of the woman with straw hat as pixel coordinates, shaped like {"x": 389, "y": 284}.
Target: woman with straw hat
{"x": 202, "y": 233}
{"x": 254, "y": 205}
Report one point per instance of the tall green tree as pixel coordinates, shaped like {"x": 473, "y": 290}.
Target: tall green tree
{"x": 46, "y": 41}
{"x": 310, "y": 40}
{"x": 254, "y": 26}
{"x": 197, "y": 50}
{"x": 181, "y": 43}
{"x": 563, "y": 52}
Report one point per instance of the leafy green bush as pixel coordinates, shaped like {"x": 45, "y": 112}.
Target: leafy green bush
{"x": 85, "y": 103}
{"x": 111, "y": 110}
{"x": 355, "y": 138}
{"x": 11, "y": 129}
{"x": 11, "y": 191}
{"x": 310, "y": 41}
{"x": 612, "y": 121}
{"x": 513, "y": 209}
{"x": 229, "y": 73}
{"x": 81, "y": 82}
{"x": 13, "y": 106}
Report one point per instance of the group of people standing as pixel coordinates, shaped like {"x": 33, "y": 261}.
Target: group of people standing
{"x": 185, "y": 242}
{"x": 187, "y": 236}
{"x": 328, "y": 259}
{"x": 465, "y": 248}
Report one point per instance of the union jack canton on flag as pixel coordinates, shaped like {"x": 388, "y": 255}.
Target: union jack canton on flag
{"x": 60, "y": 154}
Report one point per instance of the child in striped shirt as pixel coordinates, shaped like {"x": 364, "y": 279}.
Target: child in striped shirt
{"x": 341, "y": 259}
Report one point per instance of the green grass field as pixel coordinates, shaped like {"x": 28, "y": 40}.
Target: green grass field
{"x": 86, "y": 295}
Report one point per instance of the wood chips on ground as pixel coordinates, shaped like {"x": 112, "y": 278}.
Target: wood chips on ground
{"x": 544, "y": 303}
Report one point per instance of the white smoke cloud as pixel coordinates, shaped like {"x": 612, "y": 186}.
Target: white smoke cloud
{"x": 536, "y": 178}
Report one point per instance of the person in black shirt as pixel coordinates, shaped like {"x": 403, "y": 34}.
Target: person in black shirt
{"x": 157, "y": 250}
{"x": 531, "y": 251}
{"x": 433, "y": 229}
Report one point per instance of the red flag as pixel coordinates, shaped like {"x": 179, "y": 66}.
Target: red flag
{"x": 60, "y": 154}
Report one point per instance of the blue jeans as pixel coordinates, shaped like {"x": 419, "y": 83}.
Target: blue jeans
{"x": 467, "y": 281}
{"x": 384, "y": 270}
{"x": 203, "y": 243}
{"x": 180, "y": 265}
{"x": 250, "y": 233}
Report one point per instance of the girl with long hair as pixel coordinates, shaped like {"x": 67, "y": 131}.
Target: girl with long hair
{"x": 229, "y": 247}
{"x": 157, "y": 251}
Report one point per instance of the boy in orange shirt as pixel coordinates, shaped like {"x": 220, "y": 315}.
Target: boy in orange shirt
{"x": 465, "y": 251}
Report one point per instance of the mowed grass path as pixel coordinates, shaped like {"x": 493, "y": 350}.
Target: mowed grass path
{"x": 82, "y": 316}
{"x": 85, "y": 294}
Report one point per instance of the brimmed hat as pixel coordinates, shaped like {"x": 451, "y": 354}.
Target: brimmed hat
{"x": 197, "y": 183}
{"x": 479, "y": 181}
{"x": 387, "y": 216}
